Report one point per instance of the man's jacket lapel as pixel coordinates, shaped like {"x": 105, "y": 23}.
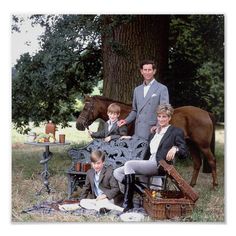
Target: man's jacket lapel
{"x": 149, "y": 94}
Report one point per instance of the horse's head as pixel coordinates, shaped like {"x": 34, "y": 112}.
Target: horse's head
{"x": 88, "y": 115}
{"x": 85, "y": 117}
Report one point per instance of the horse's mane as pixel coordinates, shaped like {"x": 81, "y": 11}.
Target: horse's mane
{"x": 109, "y": 99}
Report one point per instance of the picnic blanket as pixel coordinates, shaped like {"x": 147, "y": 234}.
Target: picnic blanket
{"x": 73, "y": 207}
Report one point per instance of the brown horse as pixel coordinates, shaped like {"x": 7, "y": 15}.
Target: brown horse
{"x": 198, "y": 126}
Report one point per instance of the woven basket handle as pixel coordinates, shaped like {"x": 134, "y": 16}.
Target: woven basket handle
{"x": 166, "y": 166}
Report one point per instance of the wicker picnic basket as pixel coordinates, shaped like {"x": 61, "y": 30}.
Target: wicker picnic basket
{"x": 169, "y": 204}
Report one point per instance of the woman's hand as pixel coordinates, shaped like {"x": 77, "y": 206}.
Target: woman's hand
{"x": 101, "y": 197}
{"x": 171, "y": 154}
{"x": 153, "y": 129}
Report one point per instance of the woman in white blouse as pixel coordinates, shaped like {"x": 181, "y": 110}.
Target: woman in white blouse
{"x": 166, "y": 142}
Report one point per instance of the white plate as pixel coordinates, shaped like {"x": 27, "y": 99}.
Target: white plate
{"x": 132, "y": 217}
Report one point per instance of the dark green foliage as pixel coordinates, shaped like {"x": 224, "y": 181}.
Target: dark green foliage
{"x": 196, "y": 62}
{"x": 68, "y": 65}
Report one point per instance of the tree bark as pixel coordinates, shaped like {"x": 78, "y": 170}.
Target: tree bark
{"x": 126, "y": 45}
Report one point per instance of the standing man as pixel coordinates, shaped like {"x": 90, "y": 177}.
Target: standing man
{"x": 146, "y": 99}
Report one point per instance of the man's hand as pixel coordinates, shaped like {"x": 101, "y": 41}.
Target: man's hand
{"x": 171, "y": 154}
{"x": 101, "y": 197}
{"x": 121, "y": 122}
{"x": 107, "y": 139}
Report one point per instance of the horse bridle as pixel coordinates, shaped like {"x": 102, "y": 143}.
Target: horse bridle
{"x": 84, "y": 117}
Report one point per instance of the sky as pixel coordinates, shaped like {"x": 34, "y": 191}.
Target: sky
{"x": 26, "y": 40}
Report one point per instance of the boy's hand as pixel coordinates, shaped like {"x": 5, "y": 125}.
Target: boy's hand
{"x": 107, "y": 139}
{"x": 90, "y": 133}
{"x": 121, "y": 122}
{"x": 101, "y": 197}
{"x": 125, "y": 137}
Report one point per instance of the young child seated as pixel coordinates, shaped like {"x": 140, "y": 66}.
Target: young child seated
{"x": 111, "y": 129}
{"x": 101, "y": 184}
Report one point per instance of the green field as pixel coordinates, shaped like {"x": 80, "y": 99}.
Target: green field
{"x": 26, "y": 180}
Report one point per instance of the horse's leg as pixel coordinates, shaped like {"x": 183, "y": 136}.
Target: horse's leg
{"x": 197, "y": 162}
{"x": 212, "y": 162}
{"x": 206, "y": 167}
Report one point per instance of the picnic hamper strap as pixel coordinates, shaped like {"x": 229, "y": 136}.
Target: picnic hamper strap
{"x": 183, "y": 209}
{"x": 168, "y": 211}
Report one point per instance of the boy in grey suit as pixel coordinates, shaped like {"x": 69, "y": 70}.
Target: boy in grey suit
{"x": 146, "y": 99}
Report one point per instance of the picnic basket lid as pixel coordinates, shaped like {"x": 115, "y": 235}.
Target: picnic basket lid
{"x": 180, "y": 182}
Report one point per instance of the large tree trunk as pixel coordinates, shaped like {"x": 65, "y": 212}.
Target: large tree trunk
{"x": 128, "y": 43}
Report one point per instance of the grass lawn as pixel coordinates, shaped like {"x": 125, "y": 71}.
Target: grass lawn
{"x": 26, "y": 180}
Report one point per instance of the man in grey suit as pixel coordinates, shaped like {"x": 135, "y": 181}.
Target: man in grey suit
{"x": 146, "y": 99}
